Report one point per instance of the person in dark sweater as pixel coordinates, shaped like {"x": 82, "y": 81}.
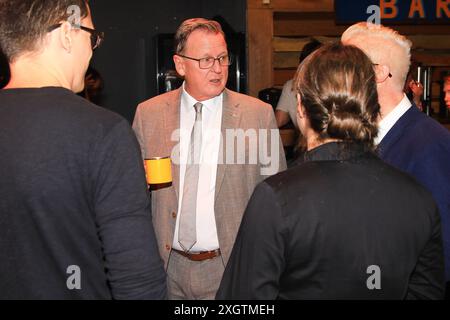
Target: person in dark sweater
{"x": 344, "y": 224}
{"x": 75, "y": 220}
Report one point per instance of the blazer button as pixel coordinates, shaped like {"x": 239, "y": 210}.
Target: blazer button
{"x": 174, "y": 214}
{"x": 167, "y": 247}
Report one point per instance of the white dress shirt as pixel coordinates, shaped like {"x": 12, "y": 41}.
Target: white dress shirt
{"x": 209, "y": 155}
{"x": 389, "y": 121}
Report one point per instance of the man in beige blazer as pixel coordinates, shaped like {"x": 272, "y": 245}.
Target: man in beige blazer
{"x": 236, "y": 142}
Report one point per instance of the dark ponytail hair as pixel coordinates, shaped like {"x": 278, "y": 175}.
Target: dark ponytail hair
{"x": 339, "y": 95}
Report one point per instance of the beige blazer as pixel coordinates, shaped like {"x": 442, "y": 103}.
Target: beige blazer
{"x": 156, "y": 120}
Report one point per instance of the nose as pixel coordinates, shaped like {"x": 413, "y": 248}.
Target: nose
{"x": 217, "y": 68}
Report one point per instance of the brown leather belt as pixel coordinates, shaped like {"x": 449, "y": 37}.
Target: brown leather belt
{"x": 200, "y": 256}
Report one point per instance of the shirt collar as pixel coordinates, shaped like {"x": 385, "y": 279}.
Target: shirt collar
{"x": 337, "y": 151}
{"x": 189, "y": 101}
{"x": 391, "y": 118}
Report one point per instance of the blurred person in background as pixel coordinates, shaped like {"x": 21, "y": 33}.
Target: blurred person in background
{"x": 287, "y": 105}
{"x": 447, "y": 91}
{"x": 93, "y": 86}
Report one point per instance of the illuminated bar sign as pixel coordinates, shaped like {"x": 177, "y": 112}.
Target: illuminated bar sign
{"x": 394, "y": 11}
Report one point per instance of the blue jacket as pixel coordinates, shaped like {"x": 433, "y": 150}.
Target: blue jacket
{"x": 420, "y": 146}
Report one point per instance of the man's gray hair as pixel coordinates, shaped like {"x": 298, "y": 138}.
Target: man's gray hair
{"x": 189, "y": 26}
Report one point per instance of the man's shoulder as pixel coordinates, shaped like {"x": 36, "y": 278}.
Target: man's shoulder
{"x": 419, "y": 131}
{"x": 160, "y": 101}
{"x": 308, "y": 178}
{"x": 78, "y": 116}
{"x": 92, "y": 118}
{"x": 296, "y": 177}
{"x": 247, "y": 102}
{"x": 434, "y": 129}
{"x": 417, "y": 122}
{"x": 74, "y": 110}
{"x": 288, "y": 85}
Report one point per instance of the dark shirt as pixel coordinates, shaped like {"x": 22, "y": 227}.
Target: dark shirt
{"x": 321, "y": 230}
{"x": 72, "y": 193}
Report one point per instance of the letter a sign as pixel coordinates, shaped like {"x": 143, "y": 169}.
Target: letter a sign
{"x": 74, "y": 281}
{"x": 374, "y": 281}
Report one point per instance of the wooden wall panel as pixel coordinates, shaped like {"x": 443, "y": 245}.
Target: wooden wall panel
{"x": 289, "y": 44}
{"x": 309, "y": 24}
{"x": 284, "y": 60}
{"x": 260, "y": 53}
{"x": 310, "y": 27}
{"x": 432, "y": 58}
{"x": 283, "y": 75}
{"x": 433, "y": 42}
{"x": 293, "y": 5}
{"x": 422, "y": 29}
{"x": 284, "y": 44}
{"x": 277, "y": 32}
{"x": 429, "y": 42}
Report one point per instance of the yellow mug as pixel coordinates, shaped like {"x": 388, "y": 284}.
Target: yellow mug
{"x": 158, "y": 170}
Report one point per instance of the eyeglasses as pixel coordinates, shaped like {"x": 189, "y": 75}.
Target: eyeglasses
{"x": 208, "y": 62}
{"x": 377, "y": 64}
{"x": 97, "y": 37}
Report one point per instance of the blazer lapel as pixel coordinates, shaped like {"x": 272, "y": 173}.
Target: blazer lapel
{"x": 171, "y": 125}
{"x": 231, "y": 116}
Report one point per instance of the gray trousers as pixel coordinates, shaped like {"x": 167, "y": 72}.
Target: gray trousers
{"x": 193, "y": 280}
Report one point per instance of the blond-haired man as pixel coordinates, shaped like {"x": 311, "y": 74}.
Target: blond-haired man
{"x": 407, "y": 139}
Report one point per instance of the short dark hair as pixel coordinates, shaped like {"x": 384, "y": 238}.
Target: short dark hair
{"x": 189, "y": 26}
{"x": 446, "y": 77}
{"x": 23, "y": 23}
{"x": 4, "y": 70}
{"x": 93, "y": 87}
{"x": 309, "y": 48}
{"x": 338, "y": 92}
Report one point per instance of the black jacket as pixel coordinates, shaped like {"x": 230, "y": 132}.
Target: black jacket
{"x": 342, "y": 225}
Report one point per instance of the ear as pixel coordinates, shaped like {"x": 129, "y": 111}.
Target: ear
{"x": 179, "y": 65}
{"x": 300, "y": 110}
{"x": 65, "y": 36}
{"x": 301, "y": 116}
{"x": 382, "y": 72}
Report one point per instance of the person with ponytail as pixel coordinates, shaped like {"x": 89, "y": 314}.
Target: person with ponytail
{"x": 342, "y": 224}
